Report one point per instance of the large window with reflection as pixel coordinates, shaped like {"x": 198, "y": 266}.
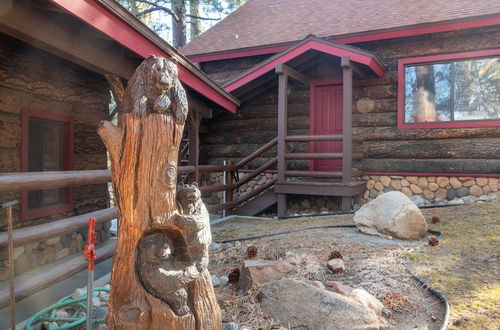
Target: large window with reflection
{"x": 458, "y": 90}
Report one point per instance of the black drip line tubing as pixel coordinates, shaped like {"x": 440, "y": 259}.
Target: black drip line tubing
{"x": 423, "y": 284}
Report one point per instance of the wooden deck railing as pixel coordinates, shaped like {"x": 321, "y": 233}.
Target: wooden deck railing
{"x": 48, "y": 180}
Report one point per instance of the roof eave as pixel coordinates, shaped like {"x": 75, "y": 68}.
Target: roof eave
{"x": 191, "y": 75}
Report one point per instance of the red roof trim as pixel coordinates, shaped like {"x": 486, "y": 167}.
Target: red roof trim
{"x": 361, "y": 37}
{"x": 462, "y": 25}
{"x": 306, "y": 45}
{"x": 100, "y": 18}
{"x": 236, "y": 54}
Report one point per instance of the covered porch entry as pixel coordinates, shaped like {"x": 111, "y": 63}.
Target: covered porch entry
{"x": 320, "y": 162}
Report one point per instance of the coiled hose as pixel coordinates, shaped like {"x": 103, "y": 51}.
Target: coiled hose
{"x": 49, "y": 314}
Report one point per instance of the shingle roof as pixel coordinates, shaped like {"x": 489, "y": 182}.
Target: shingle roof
{"x": 268, "y": 22}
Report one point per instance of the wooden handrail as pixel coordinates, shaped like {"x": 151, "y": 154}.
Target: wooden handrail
{"x": 256, "y": 153}
{"x": 314, "y": 155}
{"x": 308, "y": 138}
{"x": 233, "y": 204}
{"x": 264, "y": 167}
{"x": 214, "y": 168}
{"x": 60, "y": 179}
{"x": 31, "y": 234}
{"x": 48, "y": 180}
{"x": 316, "y": 174}
{"x": 28, "y": 284}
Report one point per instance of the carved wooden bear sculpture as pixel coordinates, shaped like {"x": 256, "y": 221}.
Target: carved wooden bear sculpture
{"x": 168, "y": 260}
{"x": 159, "y": 278}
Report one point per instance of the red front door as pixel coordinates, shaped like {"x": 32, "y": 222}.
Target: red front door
{"x": 327, "y": 119}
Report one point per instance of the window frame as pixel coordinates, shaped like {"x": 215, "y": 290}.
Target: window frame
{"x": 434, "y": 59}
{"x": 68, "y": 162}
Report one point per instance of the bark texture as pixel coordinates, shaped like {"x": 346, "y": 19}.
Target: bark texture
{"x": 159, "y": 278}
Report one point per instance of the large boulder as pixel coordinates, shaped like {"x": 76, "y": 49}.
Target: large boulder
{"x": 391, "y": 215}
{"x": 298, "y": 305}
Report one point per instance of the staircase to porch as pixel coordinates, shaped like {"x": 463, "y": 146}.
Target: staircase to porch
{"x": 304, "y": 182}
{"x": 297, "y": 182}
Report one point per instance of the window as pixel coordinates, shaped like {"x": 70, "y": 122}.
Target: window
{"x": 47, "y": 146}
{"x": 457, "y": 90}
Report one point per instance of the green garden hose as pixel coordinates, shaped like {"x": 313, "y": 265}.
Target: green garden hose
{"x": 48, "y": 314}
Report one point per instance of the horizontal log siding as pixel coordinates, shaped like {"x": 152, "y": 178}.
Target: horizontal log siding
{"x": 385, "y": 147}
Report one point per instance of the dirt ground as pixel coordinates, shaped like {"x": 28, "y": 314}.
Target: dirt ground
{"x": 372, "y": 263}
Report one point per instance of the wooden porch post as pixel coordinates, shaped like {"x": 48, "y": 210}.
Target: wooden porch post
{"x": 194, "y": 144}
{"x": 282, "y": 132}
{"x": 346, "y": 128}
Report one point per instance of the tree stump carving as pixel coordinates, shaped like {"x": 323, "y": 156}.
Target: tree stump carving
{"x": 159, "y": 278}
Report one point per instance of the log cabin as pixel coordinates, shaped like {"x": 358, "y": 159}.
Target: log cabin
{"x": 354, "y": 99}
{"x": 53, "y": 94}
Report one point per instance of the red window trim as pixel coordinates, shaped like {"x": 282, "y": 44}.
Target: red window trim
{"x": 432, "y": 59}
{"x": 69, "y": 130}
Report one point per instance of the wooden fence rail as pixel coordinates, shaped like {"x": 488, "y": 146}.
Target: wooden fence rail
{"x": 31, "y": 234}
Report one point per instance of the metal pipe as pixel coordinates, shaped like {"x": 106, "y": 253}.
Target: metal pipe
{"x": 12, "y": 305}
{"x": 224, "y": 195}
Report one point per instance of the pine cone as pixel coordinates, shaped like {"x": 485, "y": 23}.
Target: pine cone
{"x": 234, "y": 275}
{"x": 252, "y": 251}
{"x": 335, "y": 255}
{"x": 433, "y": 241}
{"x": 435, "y": 219}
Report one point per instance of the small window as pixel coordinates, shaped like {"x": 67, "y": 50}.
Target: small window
{"x": 462, "y": 92}
{"x": 47, "y": 146}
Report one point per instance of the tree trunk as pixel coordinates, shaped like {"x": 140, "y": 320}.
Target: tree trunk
{"x": 194, "y": 10}
{"x": 159, "y": 278}
{"x": 179, "y": 25}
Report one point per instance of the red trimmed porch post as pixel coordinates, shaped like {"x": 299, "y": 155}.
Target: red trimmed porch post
{"x": 346, "y": 128}
{"x": 282, "y": 132}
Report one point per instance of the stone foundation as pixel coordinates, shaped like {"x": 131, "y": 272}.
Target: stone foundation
{"x": 422, "y": 190}
{"x": 33, "y": 255}
{"x": 429, "y": 190}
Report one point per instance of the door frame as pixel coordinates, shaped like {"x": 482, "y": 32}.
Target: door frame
{"x": 313, "y": 85}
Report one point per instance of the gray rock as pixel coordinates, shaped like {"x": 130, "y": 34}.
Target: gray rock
{"x": 299, "y": 305}
{"x": 391, "y": 215}
{"x": 214, "y": 246}
{"x": 65, "y": 240}
{"x": 215, "y": 281}
{"x": 363, "y": 297}
{"x": 470, "y": 199}
{"x": 21, "y": 264}
{"x": 318, "y": 284}
{"x": 336, "y": 265}
{"x": 306, "y": 204}
{"x": 35, "y": 258}
{"x": 456, "y": 202}
{"x": 462, "y": 191}
{"x": 100, "y": 313}
{"x": 417, "y": 199}
{"x": 223, "y": 280}
{"x": 230, "y": 326}
{"x": 373, "y": 193}
{"x": 452, "y": 193}
{"x": 78, "y": 293}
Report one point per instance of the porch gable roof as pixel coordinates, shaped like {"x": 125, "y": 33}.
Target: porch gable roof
{"x": 309, "y": 43}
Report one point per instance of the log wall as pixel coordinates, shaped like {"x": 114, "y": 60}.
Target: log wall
{"x": 386, "y": 148}
{"x": 32, "y": 78}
